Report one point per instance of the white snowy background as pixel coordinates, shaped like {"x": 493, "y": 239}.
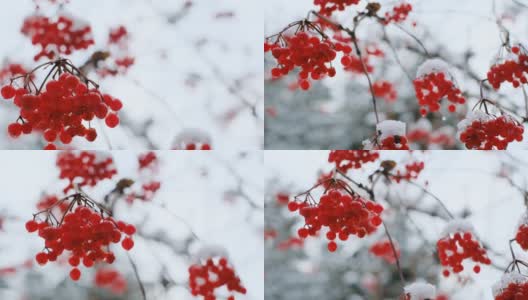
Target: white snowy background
{"x": 196, "y": 188}
{"x": 174, "y": 82}
{"x": 461, "y": 179}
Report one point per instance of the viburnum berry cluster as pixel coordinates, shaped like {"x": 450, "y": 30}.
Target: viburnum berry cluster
{"x": 512, "y": 286}
{"x": 59, "y": 36}
{"x": 304, "y": 50}
{"x": 212, "y": 274}
{"x": 342, "y": 214}
{"x": 352, "y": 63}
{"x": 148, "y": 160}
{"x": 383, "y": 249}
{"x": 434, "y": 83}
{"x": 457, "y": 244}
{"x": 60, "y": 107}
{"x": 327, "y": 7}
{"x": 411, "y": 172}
{"x": 386, "y": 90}
{"x": 148, "y": 167}
{"x": 390, "y": 136}
{"x": 521, "y": 237}
{"x": 351, "y": 159}
{"x": 482, "y": 131}
{"x": 510, "y": 70}
{"x": 117, "y": 60}
{"x": 111, "y": 280}
{"x": 85, "y": 231}
{"x": 398, "y": 14}
{"x": 11, "y": 70}
{"x": 84, "y": 168}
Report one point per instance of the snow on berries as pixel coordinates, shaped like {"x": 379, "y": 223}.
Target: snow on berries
{"x": 62, "y": 108}
{"x": 511, "y": 69}
{"x": 305, "y": 51}
{"x": 117, "y": 60}
{"x": 458, "y": 242}
{"x": 112, "y": 280}
{"x": 341, "y": 214}
{"x": 192, "y": 139}
{"x": 83, "y": 233}
{"x": 390, "y": 136}
{"x": 85, "y": 168}
{"x": 58, "y": 36}
{"x": 383, "y": 249}
{"x": 482, "y": 131}
{"x": 419, "y": 291}
{"x": 398, "y": 14}
{"x": 351, "y": 159}
{"x": 212, "y": 272}
{"x": 521, "y": 237}
{"x": 411, "y": 172}
{"x": 512, "y": 286}
{"x": 327, "y": 7}
{"x": 433, "y": 83}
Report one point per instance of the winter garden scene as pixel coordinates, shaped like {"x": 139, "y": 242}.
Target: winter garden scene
{"x": 408, "y": 225}
{"x": 395, "y": 75}
{"x": 77, "y": 75}
{"x": 127, "y": 225}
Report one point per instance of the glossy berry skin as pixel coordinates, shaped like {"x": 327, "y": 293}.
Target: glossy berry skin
{"x": 522, "y": 236}
{"x": 63, "y": 109}
{"x": 492, "y": 134}
{"x": 307, "y": 52}
{"x": 432, "y": 88}
{"x": 31, "y": 226}
{"x": 351, "y": 159}
{"x": 86, "y": 235}
{"x": 202, "y": 284}
{"x": 8, "y": 92}
{"x": 341, "y": 214}
{"x": 455, "y": 248}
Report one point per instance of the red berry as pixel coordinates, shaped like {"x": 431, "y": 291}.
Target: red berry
{"x": 14, "y": 130}
{"x": 91, "y": 135}
{"x": 31, "y": 226}
{"x": 112, "y": 120}
{"x": 8, "y": 92}
{"x": 332, "y": 246}
{"x": 41, "y": 258}
{"x": 127, "y": 243}
{"x": 75, "y": 274}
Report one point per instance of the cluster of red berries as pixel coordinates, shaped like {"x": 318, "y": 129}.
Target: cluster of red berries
{"x": 121, "y": 61}
{"x": 306, "y": 51}
{"x": 412, "y": 171}
{"x": 48, "y": 201}
{"x": 512, "y": 71}
{"x": 86, "y": 234}
{"x": 512, "y": 286}
{"x": 84, "y": 168}
{"x": 342, "y": 214}
{"x": 353, "y": 64}
{"x": 398, "y": 14}
{"x": 56, "y": 37}
{"x": 111, "y": 280}
{"x": 383, "y": 250}
{"x": 327, "y": 7}
{"x": 491, "y": 133}
{"x": 394, "y": 142}
{"x": 11, "y": 70}
{"x": 351, "y": 159}
{"x": 148, "y": 191}
{"x": 433, "y": 87}
{"x": 328, "y": 181}
{"x": 386, "y": 90}
{"x": 455, "y": 248}
{"x": 148, "y": 160}
{"x": 205, "y": 278}
{"x": 59, "y": 111}
{"x": 117, "y": 35}
{"x": 522, "y": 236}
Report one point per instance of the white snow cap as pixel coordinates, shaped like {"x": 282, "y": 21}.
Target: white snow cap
{"x": 390, "y": 128}
{"x": 191, "y": 135}
{"x": 472, "y": 116}
{"x": 420, "y": 291}
{"x": 455, "y": 226}
{"x": 523, "y": 220}
{"x": 507, "y": 279}
{"x": 210, "y": 251}
{"x": 435, "y": 65}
